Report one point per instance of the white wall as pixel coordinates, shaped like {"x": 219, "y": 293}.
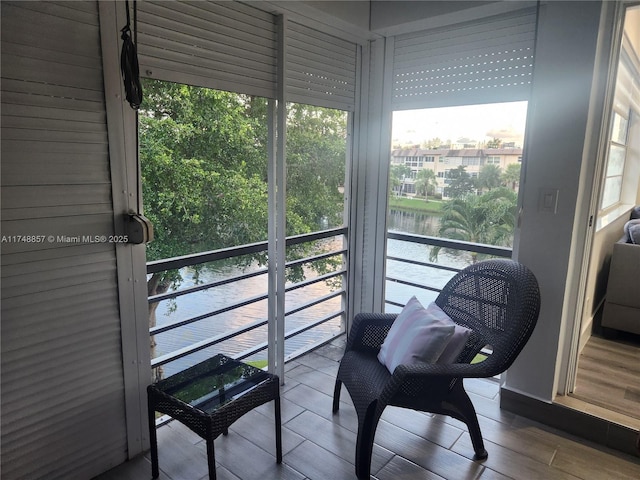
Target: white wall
{"x": 556, "y": 139}
{"x": 353, "y": 12}
{"x": 345, "y": 19}
{"x": 632, "y": 26}
{"x": 385, "y": 14}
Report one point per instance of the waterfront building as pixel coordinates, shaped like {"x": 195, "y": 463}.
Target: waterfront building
{"x": 442, "y": 161}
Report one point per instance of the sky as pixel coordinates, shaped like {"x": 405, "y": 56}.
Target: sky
{"x": 476, "y": 122}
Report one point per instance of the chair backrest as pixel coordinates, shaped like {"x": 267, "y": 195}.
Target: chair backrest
{"x": 499, "y": 300}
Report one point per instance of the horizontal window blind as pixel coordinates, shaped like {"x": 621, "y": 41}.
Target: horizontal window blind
{"x": 321, "y": 69}
{"x": 484, "y": 61}
{"x": 222, "y": 45}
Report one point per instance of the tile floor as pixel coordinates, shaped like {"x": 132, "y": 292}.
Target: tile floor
{"x": 409, "y": 445}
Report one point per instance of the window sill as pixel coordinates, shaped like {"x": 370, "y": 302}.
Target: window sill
{"x": 612, "y": 215}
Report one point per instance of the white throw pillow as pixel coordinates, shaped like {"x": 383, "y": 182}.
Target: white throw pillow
{"x": 418, "y": 335}
{"x": 456, "y": 344}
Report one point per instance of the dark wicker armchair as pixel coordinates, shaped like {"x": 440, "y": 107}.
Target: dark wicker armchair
{"x": 498, "y": 300}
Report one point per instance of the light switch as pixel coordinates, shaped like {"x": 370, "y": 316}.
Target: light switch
{"x": 548, "y": 200}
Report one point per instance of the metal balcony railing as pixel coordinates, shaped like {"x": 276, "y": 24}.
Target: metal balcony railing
{"x": 338, "y": 275}
{"x": 482, "y": 249}
{"x": 332, "y": 250}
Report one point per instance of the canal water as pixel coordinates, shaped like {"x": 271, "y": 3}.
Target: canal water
{"x": 201, "y": 303}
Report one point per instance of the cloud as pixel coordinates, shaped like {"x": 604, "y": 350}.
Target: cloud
{"x": 509, "y": 134}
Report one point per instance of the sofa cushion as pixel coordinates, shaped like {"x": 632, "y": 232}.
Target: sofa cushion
{"x": 634, "y": 234}
{"x": 417, "y": 335}
{"x": 623, "y": 287}
{"x": 632, "y": 231}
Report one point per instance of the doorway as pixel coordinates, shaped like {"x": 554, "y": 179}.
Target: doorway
{"x": 607, "y": 380}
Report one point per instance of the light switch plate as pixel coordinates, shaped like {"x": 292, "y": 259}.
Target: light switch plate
{"x": 548, "y": 200}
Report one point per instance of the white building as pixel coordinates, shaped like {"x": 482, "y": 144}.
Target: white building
{"x": 442, "y": 161}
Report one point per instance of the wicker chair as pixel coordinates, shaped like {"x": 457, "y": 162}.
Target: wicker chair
{"x": 498, "y": 300}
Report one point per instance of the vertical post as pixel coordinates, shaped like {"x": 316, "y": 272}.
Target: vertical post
{"x": 356, "y": 134}
{"x": 370, "y": 204}
{"x": 346, "y": 239}
{"x": 130, "y": 259}
{"x": 281, "y": 197}
{"x": 271, "y": 249}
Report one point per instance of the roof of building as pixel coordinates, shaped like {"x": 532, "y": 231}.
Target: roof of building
{"x": 464, "y": 152}
{"x": 502, "y": 151}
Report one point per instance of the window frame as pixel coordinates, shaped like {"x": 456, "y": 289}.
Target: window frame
{"x": 619, "y": 144}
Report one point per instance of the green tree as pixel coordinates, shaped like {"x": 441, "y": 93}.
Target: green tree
{"x": 316, "y": 157}
{"x": 203, "y": 164}
{"x": 488, "y": 219}
{"x": 494, "y": 143}
{"x": 397, "y": 174}
{"x": 511, "y": 175}
{"x": 187, "y": 152}
{"x": 432, "y": 143}
{"x": 460, "y": 182}
{"x": 426, "y": 182}
{"x": 204, "y": 173}
{"x": 204, "y": 167}
{"x": 489, "y": 177}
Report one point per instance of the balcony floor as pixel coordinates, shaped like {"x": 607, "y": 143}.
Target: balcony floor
{"x": 319, "y": 446}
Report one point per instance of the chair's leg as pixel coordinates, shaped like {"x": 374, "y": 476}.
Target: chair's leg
{"x": 467, "y": 413}
{"x": 211, "y": 458}
{"x": 336, "y": 396}
{"x": 276, "y": 403}
{"x": 364, "y": 443}
{"x": 153, "y": 438}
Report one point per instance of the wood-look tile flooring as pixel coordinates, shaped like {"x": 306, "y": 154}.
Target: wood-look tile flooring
{"x": 409, "y": 445}
{"x": 608, "y": 375}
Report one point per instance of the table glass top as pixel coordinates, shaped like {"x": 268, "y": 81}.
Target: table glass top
{"x": 212, "y": 383}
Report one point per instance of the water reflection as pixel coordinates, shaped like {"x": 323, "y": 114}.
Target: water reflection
{"x": 413, "y": 222}
{"x": 430, "y": 276}
{"x": 224, "y": 296}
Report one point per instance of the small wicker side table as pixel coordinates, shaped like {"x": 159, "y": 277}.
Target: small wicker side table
{"x": 208, "y": 398}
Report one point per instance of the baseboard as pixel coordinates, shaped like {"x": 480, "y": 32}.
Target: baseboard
{"x": 575, "y": 422}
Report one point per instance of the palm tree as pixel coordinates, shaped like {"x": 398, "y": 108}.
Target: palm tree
{"x": 397, "y": 174}
{"x": 489, "y": 177}
{"x": 425, "y": 182}
{"x": 511, "y": 175}
{"x": 488, "y": 219}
